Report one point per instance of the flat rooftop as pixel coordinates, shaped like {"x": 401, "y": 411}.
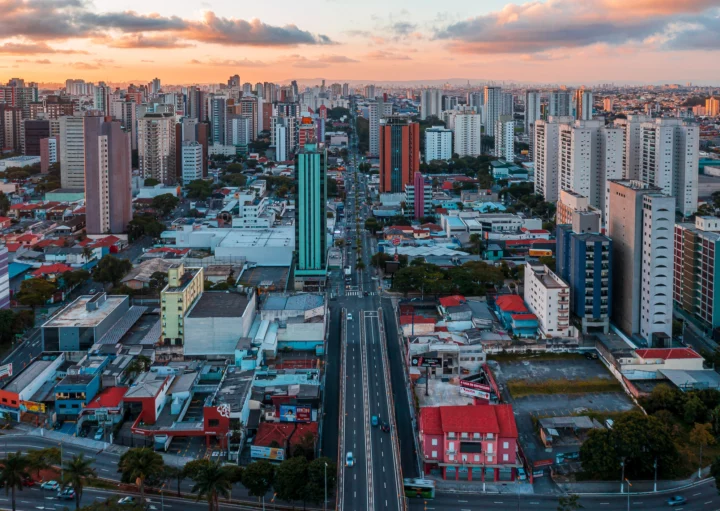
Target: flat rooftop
{"x": 268, "y": 276}
{"x": 219, "y": 304}
{"x": 25, "y": 377}
{"x": 235, "y": 388}
{"x": 258, "y": 238}
{"x": 77, "y": 315}
{"x": 303, "y": 301}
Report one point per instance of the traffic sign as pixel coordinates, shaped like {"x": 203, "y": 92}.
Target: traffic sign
{"x": 396, "y": 241}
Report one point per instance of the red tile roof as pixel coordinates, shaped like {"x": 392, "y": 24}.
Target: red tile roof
{"x": 4, "y": 219}
{"x": 107, "y": 241}
{"x": 111, "y": 397}
{"x": 511, "y": 303}
{"x": 497, "y": 419}
{"x": 169, "y": 250}
{"x": 452, "y": 301}
{"x": 50, "y": 243}
{"x": 418, "y": 320}
{"x": 269, "y": 432}
{"x": 447, "y": 185}
{"x": 667, "y": 353}
{"x": 13, "y": 247}
{"x": 432, "y": 227}
{"x": 523, "y": 317}
{"x": 50, "y": 269}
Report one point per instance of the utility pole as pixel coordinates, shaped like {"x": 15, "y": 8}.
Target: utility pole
{"x": 655, "y": 484}
{"x": 325, "y": 505}
{"x": 628, "y": 493}
{"x": 427, "y": 380}
{"x": 622, "y": 475}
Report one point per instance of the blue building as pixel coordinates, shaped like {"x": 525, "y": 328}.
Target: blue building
{"x": 78, "y": 388}
{"x": 584, "y": 261}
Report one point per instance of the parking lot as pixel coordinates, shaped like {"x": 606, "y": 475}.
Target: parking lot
{"x": 571, "y": 367}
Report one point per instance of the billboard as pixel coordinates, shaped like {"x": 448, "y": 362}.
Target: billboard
{"x": 267, "y": 453}
{"x": 471, "y": 385}
{"x": 6, "y": 370}
{"x": 293, "y": 413}
{"x": 31, "y": 406}
{"x": 420, "y": 361}
{"x": 475, "y": 393}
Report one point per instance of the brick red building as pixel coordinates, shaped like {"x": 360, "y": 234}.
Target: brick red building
{"x": 399, "y": 153}
{"x": 473, "y": 443}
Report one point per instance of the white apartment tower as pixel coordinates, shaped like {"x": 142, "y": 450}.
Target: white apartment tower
{"x": 559, "y": 104}
{"x": 546, "y": 142}
{"x": 438, "y": 144}
{"x": 192, "y": 161}
{"x": 583, "y": 104}
{"x": 430, "y": 103}
{"x": 493, "y": 108}
{"x": 156, "y": 147}
{"x": 632, "y": 143}
{"x": 532, "y": 109}
{"x": 468, "y": 134}
{"x": 505, "y": 138}
{"x": 548, "y": 297}
{"x": 72, "y": 152}
{"x": 377, "y": 110}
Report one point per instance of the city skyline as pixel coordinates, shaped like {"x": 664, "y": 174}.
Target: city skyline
{"x": 558, "y": 41}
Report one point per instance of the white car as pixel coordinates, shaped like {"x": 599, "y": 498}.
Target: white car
{"x": 349, "y": 317}
{"x": 349, "y": 460}
{"x": 50, "y": 485}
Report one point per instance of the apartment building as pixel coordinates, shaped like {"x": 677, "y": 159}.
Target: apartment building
{"x": 505, "y": 138}
{"x": 548, "y": 297}
{"x": 468, "y": 134}
{"x": 438, "y": 144}
{"x": 184, "y": 286}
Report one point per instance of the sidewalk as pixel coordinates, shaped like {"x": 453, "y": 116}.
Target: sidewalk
{"x": 479, "y": 487}
{"x": 637, "y": 486}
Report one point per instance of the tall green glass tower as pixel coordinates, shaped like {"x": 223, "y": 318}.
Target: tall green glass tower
{"x": 311, "y": 216}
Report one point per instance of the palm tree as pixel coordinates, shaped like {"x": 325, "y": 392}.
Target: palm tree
{"x": 139, "y": 464}
{"x": 87, "y": 252}
{"x": 13, "y": 470}
{"x": 77, "y": 471}
{"x": 211, "y": 482}
{"x": 43, "y": 459}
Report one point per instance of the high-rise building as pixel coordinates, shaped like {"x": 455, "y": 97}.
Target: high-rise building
{"x": 632, "y": 143}
{"x": 438, "y": 144}
{"x": 197, "y": 104}
{"x": 370, "y": 92}
{"x": 377, "y": 110}
{"x": 248, "y": 107}
{"x": 259, "y": 89}
{"x": 545, "y": 157}
{"x": 475, "y": 100}
{"x": 399, "y": 153}
{"x": 33, "y": 131}
{"x": 192, "y": 161}
{"x": 508, "y": 104}
{"x": 346, "y": 90}
{"x": 4, "y": 278}
{"x": 108, "y": 174}
{"x": 712, "y": 107}
{"x": 48, "y": 153}
{"x": 608, "y": 104}
{"x": 548, "y": 297}
{"x": 431, "y": 103}
{"x": 560, "y": 104}
{"x": 185, "y": 286}
{"x": 640, "y": 224}
{"x": 218, "y": 111}
{"x": 156, "y": 147}
{"x": 697, "y": 264}
{"x": 532, "y": 109}
{"x": 468, "y": 134}
{"x": 493, "y": 108}
{"x": 155, "y": 86}
{"x": 234, "y": 81}
{"x": 284, "y": 137}
{"x": 238, "y": 131}
{"x": 583, "y": 104}
{"x": 311, "y": 218}
{"x": 247, "y": 89}
{"x": 418, "y": 194}
{"x": 101, "y": 99}
{"x": 72, "y": 152}
{"x": 126, "y": 113}
{"x": 505, "y": 138}
{"x": 669, "y": 160}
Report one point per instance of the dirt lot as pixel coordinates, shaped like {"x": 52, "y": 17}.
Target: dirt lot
{"x": 570, "y": 367}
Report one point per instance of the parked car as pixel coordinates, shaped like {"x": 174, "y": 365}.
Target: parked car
{"x": 129, "y": 500}
{"x": 50, "y": 485}
{"x": 28, "y": 481}
{"x": 676, "y": 500}
{"x": 591, "y": 355}
{"x": 349, "y": 460}
{"x": 99, "y": 434}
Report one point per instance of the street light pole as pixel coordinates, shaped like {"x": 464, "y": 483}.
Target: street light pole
{"x": 655, "y": 483}
{"x": 622, "y": 475}
{"x": 325, "y": 506}
{"x": 628, "y": 494}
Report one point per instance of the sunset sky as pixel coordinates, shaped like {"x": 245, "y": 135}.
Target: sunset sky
{"x": 555, "y": 41}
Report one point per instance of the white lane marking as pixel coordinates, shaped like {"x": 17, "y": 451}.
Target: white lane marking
{"x": 696, "y": 494}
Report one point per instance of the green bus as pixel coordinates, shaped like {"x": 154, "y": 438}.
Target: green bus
{"x": 420, "y": 488}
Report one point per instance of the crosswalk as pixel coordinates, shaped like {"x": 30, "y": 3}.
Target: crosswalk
{"x": 359, "y": 293}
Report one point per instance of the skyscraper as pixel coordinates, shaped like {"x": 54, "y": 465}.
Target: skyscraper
{"x": 493, "y": 109}
{"x": 532, "y": 109}
{"x": 218, "y": 113}
{"x": 438, "y": 144}
{"x": 468, "y": 134}
{"x": 505, "y": 138}
{"x": 311, "y": 218}
{"x": 399, "y": 153}
{"x": 583, "y": 104}
{"x": 72, "y": 152}
{"x": 377, "y": 110}
{"x": 4, "y": 278}
{"x": 431, "y": 103}
{"x": 156, "y": 147}
{"x": 234, "y": 81}
{"x": 108, "y": 173}
{"x": 192, "y": 161}
{"x": 640, "y": 224}
{"x": 559, "y": 104}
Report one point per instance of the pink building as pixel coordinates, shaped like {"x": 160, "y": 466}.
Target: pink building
{"x": 469, "y": 443}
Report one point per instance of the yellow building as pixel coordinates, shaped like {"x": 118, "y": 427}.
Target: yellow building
{"x": 712, "y": 107}
{"x": 184, "y": 286}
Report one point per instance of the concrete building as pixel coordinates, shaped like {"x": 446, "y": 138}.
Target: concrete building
{"x": 430, "y": 103}
{"x": 505, "y": 138}
{"x": 108, "y": 176}
{"x": 640, "y": 223}
{"x": 84, "y": 322}
{"x": 712, "y": 107}
{"x": 697, "y": 270}
{"x": 218, "y": 111}
{"x": 192, "y": 161}
{"x": 72, "y": 152}
{"x": 492, "y": 109}
{"x": 438, "y": 144}
{"x": 4, "y": 278}
{"x": 32, "y": 132}
{"x": 468, "y": 134}
{"x": 377, "y": 111}
{"x": 184, "y": 286}
{"x": 546, "y": 156}
{"x": 560, "y": 104}
{"x": 399, "y": 153}
{"x": 632, "y": 144}
{"x": 583, "y": 104}
{"x": 584, "y": 261}
{"x": 548, "y": 297}
{"x": 310, "y": 218}
{"x": 157, "y": 147}
{"x": 48, "y": 153}
{"x": 419, "y": 194}
{"x": 532, "y": 115}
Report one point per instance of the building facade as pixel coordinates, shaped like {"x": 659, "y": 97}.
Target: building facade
{"x": 184, "y": 287}
{"x": 438, "y": 144}
{"x": 548, "y": 297}
{"x": 492, "y": 109}
{"x": 431, "y": 103}
{"x": 157, "y": 147}
{"x": 505, "y": 138}
{"x": 377, "y": 110}
{"x": 72, "y": 152}
{"x": 192, "y": 161}
{"x": 468, "y": 134}
{"x": 399, "y": 153}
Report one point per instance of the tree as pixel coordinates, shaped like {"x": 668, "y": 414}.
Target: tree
{"x": 199, "y": 189}
{"x": 7, "y": 325}
{"x": 211, "y": 482}
{"x": 78, "y": 470}
{"x": 139, "y": 364}
{"x": 569, "y": 503}
{"x": 13, "y": 470}
{"x": 372, "y": 225}
{"x": 171, "y": 473}
{"x": 315, "y": 486}
{"x": 43, "y": 459}
{"x": 360, "y": 265}
{"x": 151, "y": 181}
{"x": 701, "y": 436}
{"x": 36, "y": 292}
{"x": 165, "y": 203}
{"x": 305, "y": 447}
{"x": 291, "y": 479}
{"x": 258, "y": 478}
{"x": 548, "y": 261}
{"x": 111, "y": 269}
{"x": 73, "y": 278}
{"x": 140, "y": 464}
{"x": 144, "y": 225}
{"x": 158, "y": 280}
{"x": 694, "y": 410}
{"x": 4, "y": 203}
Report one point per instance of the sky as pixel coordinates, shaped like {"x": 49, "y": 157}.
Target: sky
{"x": 570, "y": 42}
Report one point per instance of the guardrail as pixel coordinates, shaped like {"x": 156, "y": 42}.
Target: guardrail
{"x": 391, "y": 410}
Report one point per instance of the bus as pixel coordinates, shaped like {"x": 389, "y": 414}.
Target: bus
{"x": 421, "y": 488}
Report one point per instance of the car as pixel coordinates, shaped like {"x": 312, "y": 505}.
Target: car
{"x": 99, "y": 434}
{"x": 92, "y": 291}
{"x": 66, "y": 494}
{"x": 374, "y": 420}
{"x": 349, "y": 460}
{"x": 521, "y": 474}
{"x": 591, "y": 355}
{"x": 676, "y": 500}
{"x": 129, "y": 500}
{"x": 349, "y": 316}
{"x": 28, "y": 481}
{"x": 385, "y": 427}
{"x": 50, "y": 485}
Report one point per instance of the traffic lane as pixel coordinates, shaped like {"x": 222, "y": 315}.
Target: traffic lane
{"x": 386, "y": 491}
{"x": 331, "y": 404}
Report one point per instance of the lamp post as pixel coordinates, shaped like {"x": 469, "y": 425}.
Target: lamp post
{"x": 622, "y": 475}
{"x": 628, "y": 494}
{"x": 325, "y": 506}
{"x": 655, "y": 483}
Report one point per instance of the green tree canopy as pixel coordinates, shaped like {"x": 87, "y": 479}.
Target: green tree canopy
{"x": 111, "y": 269}
{"x": 199, "y": 189}
{"x": 258, "y": 477}
{"x": 165, "y": 203}
{"x": 36, "y": 292}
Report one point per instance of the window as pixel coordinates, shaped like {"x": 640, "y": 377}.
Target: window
{"x": 463, "y": 435}
{"x": 477, "y": 458}
{"x": 451, "y": 434}
{"x": 490, "y": 436}
{"x": 451, "y": 457}
{"x": 489, "y": 448}
{"x": 433, "y": 454}
{"x": 506, "y": 457}
{"x": 506, "y": 445}
{"x": 476, "y": 435}
{"x": 489, "y": 459}
{"x": 214, "y": 422}
{"x": 434, "y": 441}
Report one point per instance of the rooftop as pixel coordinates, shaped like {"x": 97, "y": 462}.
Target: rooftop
{"x": 498, "y": 419}
{"x": 147, "y": 385}
{"x": 77, "y": 315}
{"x": 219, "y": 304}
{"x": 111, "y": 397}
{"x": 667, "y": 353}
{"x": 303, "y": 301}
{"x": 27, "y": 375}
{"x": 235, "y": 388}
{"x": 283, "y": 432}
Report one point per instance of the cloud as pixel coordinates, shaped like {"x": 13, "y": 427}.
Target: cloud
{"x": 143, "y": 41}
{"x": 322, "y": 61}
{"x": 386, "y": 55}
{"x": 32, "y": 49}
{"x": 229, "y": 63}
{"x": 535, "y": 26}
{"x": 85, "y": 66}
{"x": 403, "y": 28}
{"x": 45, "y": 20}
{"x": 42, "y": 61}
